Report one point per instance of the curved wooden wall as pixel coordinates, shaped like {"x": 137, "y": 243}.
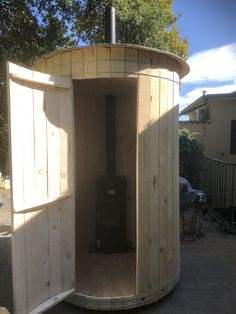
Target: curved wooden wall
{"x": 157, "y": 161}
{"x": 109, "y": 61}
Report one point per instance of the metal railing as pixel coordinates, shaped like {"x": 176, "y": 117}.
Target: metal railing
{"x": 218, "y": 180}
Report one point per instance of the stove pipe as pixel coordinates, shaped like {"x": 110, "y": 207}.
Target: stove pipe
{"x": 110, "y": 25}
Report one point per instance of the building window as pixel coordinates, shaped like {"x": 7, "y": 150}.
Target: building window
{"x": 233, "y": 137}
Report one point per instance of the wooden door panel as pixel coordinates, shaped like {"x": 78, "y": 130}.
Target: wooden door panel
{"x": 43, "y": 240}
{"x": 41, "y": 138}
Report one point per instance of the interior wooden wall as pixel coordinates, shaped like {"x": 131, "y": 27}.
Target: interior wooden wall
{"x": 90, "y": 145}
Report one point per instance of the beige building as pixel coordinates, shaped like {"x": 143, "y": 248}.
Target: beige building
{"x": 213, "y": 118}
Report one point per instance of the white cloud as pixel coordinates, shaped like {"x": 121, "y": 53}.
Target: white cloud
{"x": 218, "y": 64}
{"x": 215, "y": 66}
{"x": 195, "y": 93}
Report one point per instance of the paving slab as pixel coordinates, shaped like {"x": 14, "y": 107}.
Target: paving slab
{"x": 207, "y": 282}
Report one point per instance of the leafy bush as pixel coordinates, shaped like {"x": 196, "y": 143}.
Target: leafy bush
{"x": 191, "y": 153}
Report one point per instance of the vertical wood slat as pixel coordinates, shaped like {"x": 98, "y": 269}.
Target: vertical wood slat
{"x": 48, "y": 65}
{"x": 28, "y": 143}
{"x": 68, "y": 235}
{"x": 65, "y": 67}
{"x": 40, "y": 145}
{"x": 53, "y": 142}
{"x": 163, "y": 185}
{"x": 56, "y": 64}
{"x": 68, "y": 232}
{"x": 55, "y": 249}
{"x": 77, "y": 64}
{"x": 144, "y": 62}
{"x": 117, "y": 62}
{"x": 90, "y": 63}
{"x": 41, "y": 66}
{"x": 103, "y": 62}
{"x": 143, "y": 185}
{"x": 175, "y": 209}
{"x": 153, "y": 191}
{"x": 131, "y": 64}
{"x": 16, "y": 137}
{"x": 80, "y": 170}
{"x": 170, "y": 177}
{"x": 66, "y": 135}
{"x": 19, "y": 264}
{"x": 37, "y": 258}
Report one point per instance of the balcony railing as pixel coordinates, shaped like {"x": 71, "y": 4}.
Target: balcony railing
{"x": 218, "y": 180}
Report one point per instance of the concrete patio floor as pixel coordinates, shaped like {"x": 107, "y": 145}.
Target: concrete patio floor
{"x": 207, "y": 283}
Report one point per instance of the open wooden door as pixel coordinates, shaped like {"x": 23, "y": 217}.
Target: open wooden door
{"x": 43, "y": 210}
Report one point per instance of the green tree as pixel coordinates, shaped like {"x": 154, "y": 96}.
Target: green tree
{"x": 28, "y": 29}
{"x": 148, "y": 23}
{"x": 191, "y": 153}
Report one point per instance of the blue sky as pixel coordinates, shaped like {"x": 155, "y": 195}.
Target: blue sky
{"x": 210, "y": 26}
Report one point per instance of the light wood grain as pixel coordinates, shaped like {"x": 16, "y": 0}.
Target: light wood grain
{"x": 37, "y": 258}
{"x": 153, "y": 257}
{"x": 103, "y": 62}
{"x": 77, "y": 63}
{"x": 143, "y": 177}
{"x": 53, "y": 143}
{"x": 131, "y": 64}
{"x": 163, "y": 184}
{"x": 117, "y": 62}
{"x": 40, "y": 145}
{"x": 121, "y": 54}
{"x": 90, "y": 63}
{"x": 176, "y": 244}
{"x": 147, "y": 155}
{"x": 170, "y": 177}
{"x": 19, "y": 264}
{"x": 43, "y": 245}
{"x": 67, "y": 209}
{"x": 55, "y": 249}
{"x": 56, "y": 64}
{"x": 107, "y": 275}
{"x": 65, "y": 68}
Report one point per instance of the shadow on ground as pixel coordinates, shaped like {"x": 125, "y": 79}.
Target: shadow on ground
{"x": 5, "y": 270}
{"x": 207, "y": 283}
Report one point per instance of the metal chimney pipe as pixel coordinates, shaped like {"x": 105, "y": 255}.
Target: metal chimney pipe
{"x": 110, "y": 25}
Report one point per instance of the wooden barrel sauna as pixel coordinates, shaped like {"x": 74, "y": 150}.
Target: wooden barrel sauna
{"x": 145, "y": 84}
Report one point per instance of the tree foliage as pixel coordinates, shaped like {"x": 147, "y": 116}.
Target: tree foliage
{"x": 191, "y": 153}
{"x": 148, "y": 23}
{"x": 30, "y": 28}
